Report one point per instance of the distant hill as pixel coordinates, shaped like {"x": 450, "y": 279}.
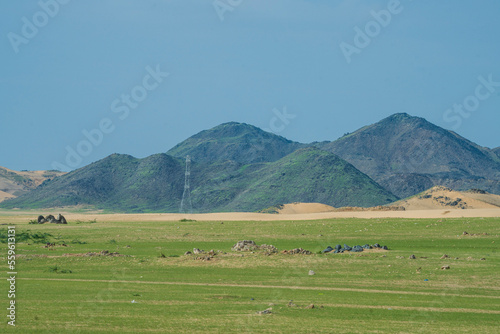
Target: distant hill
{"x": 240, "y": 142}
{"x": 16, "y": 183}
{"x": 155, "y": 184}
{"x": 239, "y": 167}
{"x": 407, "y": 155}
{"x": 118, "y": 182}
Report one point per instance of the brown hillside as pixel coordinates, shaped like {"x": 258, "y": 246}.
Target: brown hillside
{"x": 440, "y": 197}
{"x": 15, "y": 183}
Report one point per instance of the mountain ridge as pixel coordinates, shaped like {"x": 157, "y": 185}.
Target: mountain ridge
{"x": 403, "y": 150}
{"x": 237, "y": 166}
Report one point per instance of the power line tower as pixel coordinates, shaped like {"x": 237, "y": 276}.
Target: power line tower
{"x": 186, "y": 205}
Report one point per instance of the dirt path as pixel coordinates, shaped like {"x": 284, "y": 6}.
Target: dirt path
{"x": 268, "y": 287}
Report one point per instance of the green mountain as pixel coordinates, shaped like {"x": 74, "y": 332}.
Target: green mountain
{"x": 118, "y": 182}
{"x": 309, "y": 175}
{"x": 407, "y": 155}
{"x": 237, "y": 166}
{"x": 156, "y": 183}
{"x": 240, "y": 142}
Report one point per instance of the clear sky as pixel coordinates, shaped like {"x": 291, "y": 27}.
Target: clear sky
{"x": 90, "y": 77}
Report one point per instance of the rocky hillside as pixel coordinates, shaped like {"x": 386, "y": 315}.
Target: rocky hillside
{"x": 156, "y": 183}
{"x": 407, "y": 155}
{"x": 239, "y": 167}
{"x": 439, "y": 197}
{"x": 15, "y": 183}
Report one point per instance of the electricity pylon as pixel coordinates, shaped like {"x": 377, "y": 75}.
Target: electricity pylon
{"x": 186, "y": 205}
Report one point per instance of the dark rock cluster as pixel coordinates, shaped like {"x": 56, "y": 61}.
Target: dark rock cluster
{"x": 355, "y": 249}
{"x": 51, "y": 219}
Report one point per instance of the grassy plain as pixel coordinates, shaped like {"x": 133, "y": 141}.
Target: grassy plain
{"x": 372, "y": 292}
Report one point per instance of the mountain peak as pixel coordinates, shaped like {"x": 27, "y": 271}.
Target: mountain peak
{"x": 408, "y": 154}
{"x": 403, "y": 118}
{"x": 241, "y": 142}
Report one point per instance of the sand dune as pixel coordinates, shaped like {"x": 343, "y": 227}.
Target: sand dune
{"x": 294, "y": 208}
{"x": 444, "y": 198}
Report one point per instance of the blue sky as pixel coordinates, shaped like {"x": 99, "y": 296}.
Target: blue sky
{"x": 236, "y": 60}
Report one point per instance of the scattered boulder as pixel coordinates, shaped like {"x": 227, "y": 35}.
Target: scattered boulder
{"x": 266, "y": 311}
{"x": 244, "y": 245}
{"x": 327, "y": 250}
{"x": 198, "y": 251}
{"x": 445, "y": 267}
{"x": 61, "y": 219}
{"x": 357, "y": 248}
{"x": 310, "y": 306}
{"x": 444, "y": 256}
{"x": 311, "y": 272}
{"x": 268, "y": 249}
{"x": 291, "y": 304}
{"x": 339, "y": 249}
{"x": 297, "y": 251}
{"x": 188, "y": 253}
{"x": 103, "y": 253}
{"x": 412, "y": 257}
{"x": 51, "y": 219}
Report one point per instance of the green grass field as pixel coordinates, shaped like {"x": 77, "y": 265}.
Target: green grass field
{"x": 377, "y": 292}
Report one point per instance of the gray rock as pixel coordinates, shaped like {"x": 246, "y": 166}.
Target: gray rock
{"x": 61, "y": 219}
{"x": 51, "y": 219}
{"x": 244, "y": 245}
{"x": 266, "y": 311}
{"x": 41, "y": 219}
{"x": 357, "y": 248}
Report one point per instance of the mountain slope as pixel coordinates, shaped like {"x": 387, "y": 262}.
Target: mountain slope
{"x": 156, "y": 183}
{"x": 118, "y": 182}
{"x": 310, "y": 175}
{"x": 408, "y": 154}
{"x": 235, "y": 141}
{"x": 15, "y": 183}
{"x": 496, "y": 151}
